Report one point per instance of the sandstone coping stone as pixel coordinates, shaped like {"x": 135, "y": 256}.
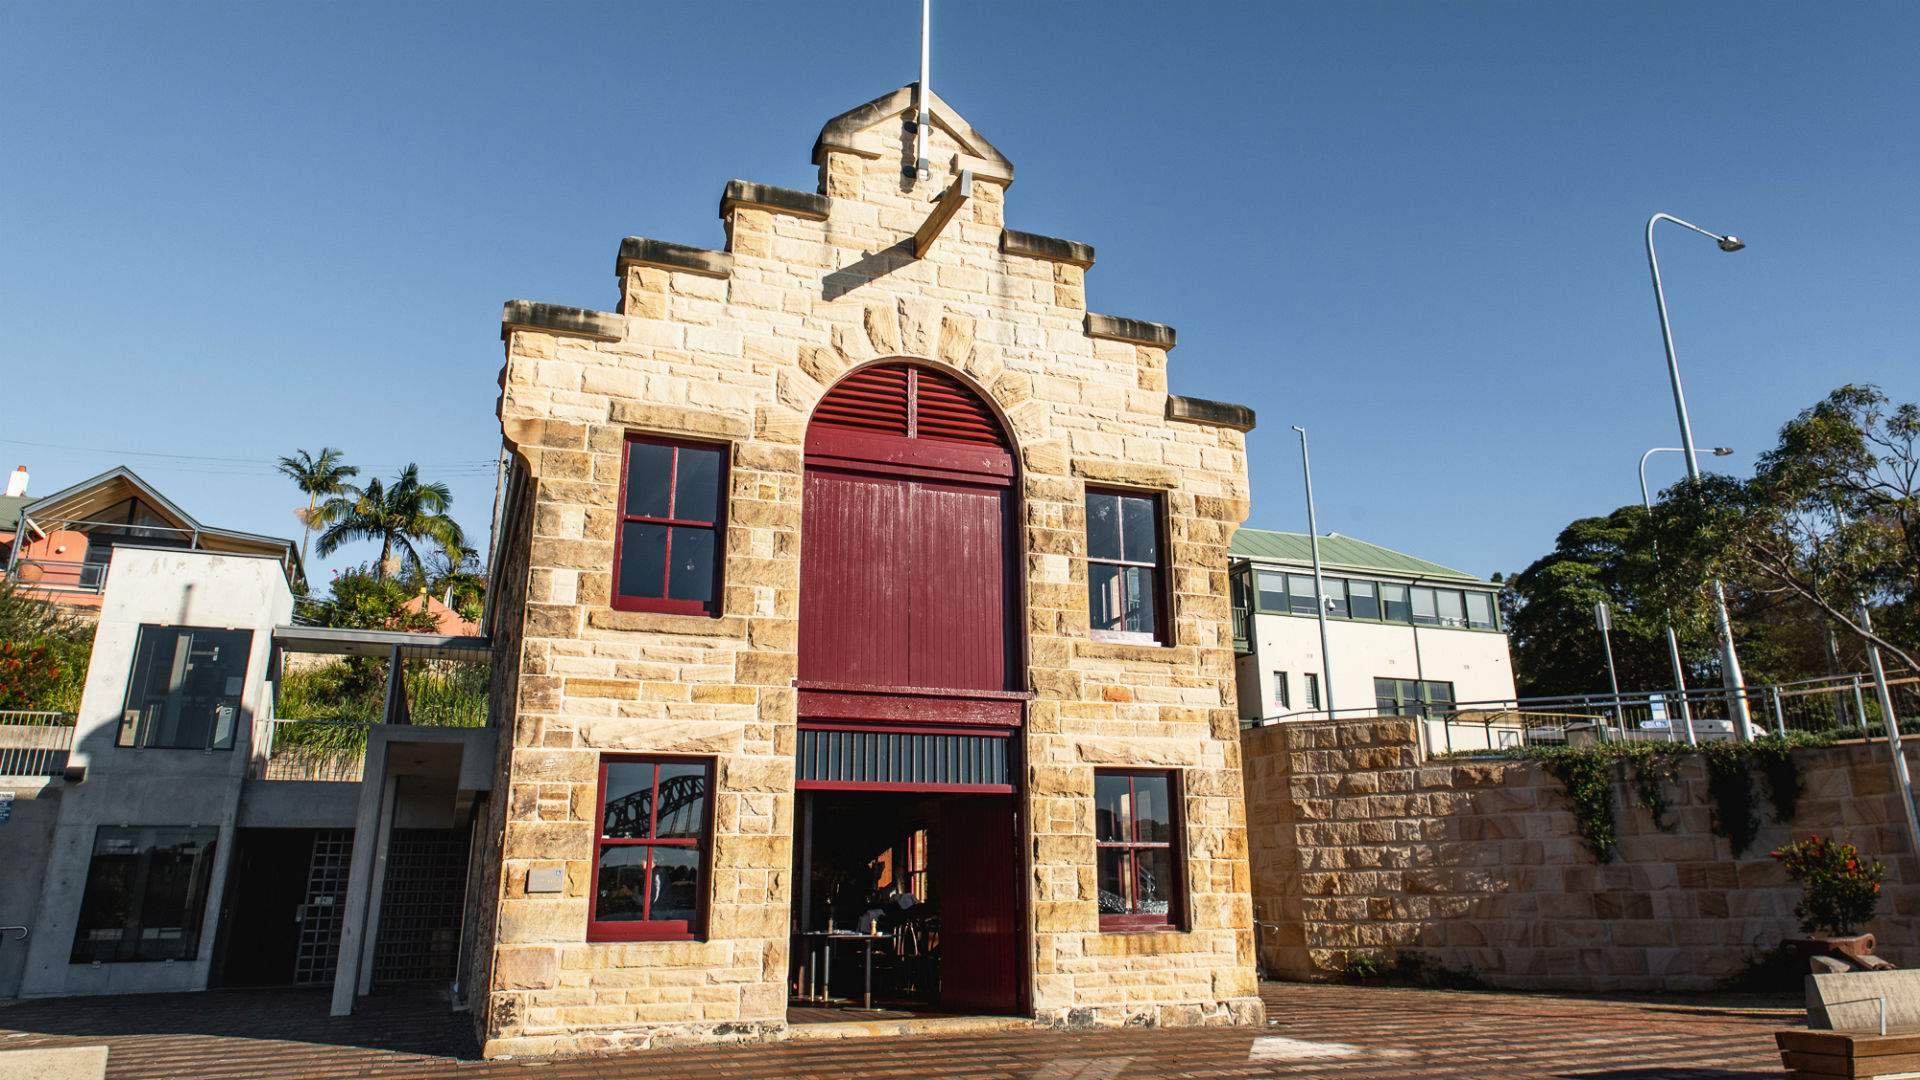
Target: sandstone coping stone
{"x": 778, "y": 200}
{"x": 840, "y": 133}
{"x": 56, "y": 1063}
{"x": 1834, "y": 1001}
{"x": 1051, "y": 248}
{"x": 1195, "y": 410}
{"x": 693, "y": 260}
{"x": 560, "y": 319}
{"x": 1135, "y": 331}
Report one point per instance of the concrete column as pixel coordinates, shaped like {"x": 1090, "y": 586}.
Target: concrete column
{"x": 370, "y": 823}
{"x": 377, "y": 888}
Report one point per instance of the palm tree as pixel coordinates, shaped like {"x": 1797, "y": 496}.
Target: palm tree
{"x": 399, "y": 515}
{"x": 321, "y": 476}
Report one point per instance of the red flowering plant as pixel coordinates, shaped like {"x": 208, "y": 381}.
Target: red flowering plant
{"x": 1838, "y": 889}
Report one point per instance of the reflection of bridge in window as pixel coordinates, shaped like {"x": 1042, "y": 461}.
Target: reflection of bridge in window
{"x": 681, "y": 800}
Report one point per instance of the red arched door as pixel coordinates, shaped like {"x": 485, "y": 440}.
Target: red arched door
{"x": 908, "y": 657}
{"x": 906, "y": 560}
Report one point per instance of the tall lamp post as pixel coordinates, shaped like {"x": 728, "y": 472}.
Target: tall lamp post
{"x": 1319, "y": 589}
{"x": 1736, "y": 682}
{"x": 1673, "y": 643}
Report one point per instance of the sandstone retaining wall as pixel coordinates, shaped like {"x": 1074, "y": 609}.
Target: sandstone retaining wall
{"x": 1361, "y": 844}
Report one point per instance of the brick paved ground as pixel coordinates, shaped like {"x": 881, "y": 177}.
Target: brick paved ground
{"x": 1377, "y": 1033}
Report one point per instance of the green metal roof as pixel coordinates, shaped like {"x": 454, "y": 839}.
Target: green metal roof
{"x": 10, "y": 510}
{"x": 1337, "y": 553}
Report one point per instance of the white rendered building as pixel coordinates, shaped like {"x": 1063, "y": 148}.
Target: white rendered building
{"x": 1406, "y": 636}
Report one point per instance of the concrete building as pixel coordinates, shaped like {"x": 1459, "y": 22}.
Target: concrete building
{"x": 182, "y": 834}
{"x": 853, "y": 564}
{"x": 1406, "y": 637}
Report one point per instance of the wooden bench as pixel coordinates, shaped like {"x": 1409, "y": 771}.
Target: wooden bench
{"x": 1819, "y": 1055}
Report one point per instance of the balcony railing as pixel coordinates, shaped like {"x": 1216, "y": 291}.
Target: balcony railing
{"x": 312, "y": 750}
{"x": 60, "y": 575}
{"x": 34, "y": 743}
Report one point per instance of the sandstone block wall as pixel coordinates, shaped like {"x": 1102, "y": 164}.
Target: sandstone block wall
{"x": 738, "y": 346}
{"x": 1361, "y": 845}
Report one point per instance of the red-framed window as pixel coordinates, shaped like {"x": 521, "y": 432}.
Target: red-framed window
{"x": 1126, "y": 569}
{"x": 668, "y": 553}
{"x": 1137, "y": 832}
{"x": 652, "y": 852}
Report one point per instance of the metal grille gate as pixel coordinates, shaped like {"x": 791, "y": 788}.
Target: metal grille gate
{"x": 318, "y": 955}
{"x": 420, "y": 906}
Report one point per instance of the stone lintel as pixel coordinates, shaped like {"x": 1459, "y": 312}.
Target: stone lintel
{"x": 1137, "y": 331}
{"x": 692, "y": 260}
{"x": 1195, "y": 410}
{"x": 1051, "y": 248}
{"x": 776, "y": 200}
{"x": 560, "y": 319}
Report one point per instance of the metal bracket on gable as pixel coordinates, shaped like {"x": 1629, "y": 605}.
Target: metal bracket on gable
{"x": 949, "y": 204}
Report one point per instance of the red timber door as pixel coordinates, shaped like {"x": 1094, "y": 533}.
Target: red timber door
{"x": 976, "y": 854}
{"x": 906, "y": 590}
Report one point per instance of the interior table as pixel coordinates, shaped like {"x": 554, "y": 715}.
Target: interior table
{"x": 816, "y": 971}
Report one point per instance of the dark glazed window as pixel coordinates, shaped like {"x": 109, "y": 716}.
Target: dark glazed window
{"x": 1124, "y": 568}
{"x": 651, "y": 856}
{"x": 1136, "y": 829}
{"x": 146, "y": 894}
{"x": 1363, "y": 599}
{"x": 667, "y": 553}
{"x": 1480, "y": 611}
{"x": 185, "y": 690}
{"x": 1393, "y": 603}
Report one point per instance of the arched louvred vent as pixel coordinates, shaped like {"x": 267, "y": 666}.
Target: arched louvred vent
{"x": 909, "y": 401}
{"x": 945, "y": 409}
{"x": 876, "y": 399}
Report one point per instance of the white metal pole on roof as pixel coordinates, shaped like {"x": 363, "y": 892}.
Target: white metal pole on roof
{"x": 1319, "y": 589}
{"x": 922, "y": 90}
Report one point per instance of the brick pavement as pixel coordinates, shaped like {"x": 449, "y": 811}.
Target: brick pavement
{"x": 1348, "y": 1032}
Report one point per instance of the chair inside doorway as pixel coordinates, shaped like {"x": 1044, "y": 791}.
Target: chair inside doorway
{"x": 878, "y": 878}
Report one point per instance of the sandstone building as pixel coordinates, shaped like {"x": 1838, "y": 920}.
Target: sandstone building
{"x": 852, "y": 560}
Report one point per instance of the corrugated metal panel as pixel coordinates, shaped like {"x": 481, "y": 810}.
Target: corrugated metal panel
{"x": 1337, "y": 553}
{"x": 894, "y": 757}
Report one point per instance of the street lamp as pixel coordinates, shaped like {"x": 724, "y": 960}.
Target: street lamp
{"x": 1736, "y": 682}
{"x": 1319, "y": 589}
{"x": 1673, "y": 643}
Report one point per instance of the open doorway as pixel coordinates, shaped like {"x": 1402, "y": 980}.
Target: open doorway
{"x": 283, "y": 910}
{"x": 905, "y": 904}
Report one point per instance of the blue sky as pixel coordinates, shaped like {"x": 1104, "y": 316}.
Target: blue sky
{"x": 233, "y": 229}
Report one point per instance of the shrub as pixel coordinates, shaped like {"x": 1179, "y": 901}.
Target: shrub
{"x": 1838, "y": 890}
{"x": 44, "y": 652}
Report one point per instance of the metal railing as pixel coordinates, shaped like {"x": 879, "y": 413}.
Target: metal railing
{"x": 34, "y": 743}
{"x": 310, "y": 750}
{"x": 1844, "y": 705}
{"x": 60, "y": 575}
